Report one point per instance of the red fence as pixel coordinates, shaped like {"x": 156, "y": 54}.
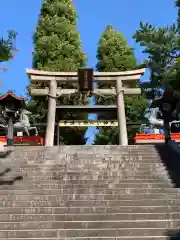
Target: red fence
{"x": 152, "y": 137}
{"x": 25, "y": 140}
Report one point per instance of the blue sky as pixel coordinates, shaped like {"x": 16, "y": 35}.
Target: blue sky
{"x": 93, "y": 17}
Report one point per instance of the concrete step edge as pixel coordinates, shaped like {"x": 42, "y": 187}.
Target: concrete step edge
{"x": 103, "y": 221}
{"x": 162, "y": 237}
{"x": 167, "y": 200}
{"x": 97, "y": 189}
{"x": 167, "y": 206}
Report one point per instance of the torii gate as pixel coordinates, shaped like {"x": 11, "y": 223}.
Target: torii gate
{"x": 66, "y": 77}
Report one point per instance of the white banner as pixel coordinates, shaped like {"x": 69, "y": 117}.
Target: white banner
{"x": 88, "y": 123}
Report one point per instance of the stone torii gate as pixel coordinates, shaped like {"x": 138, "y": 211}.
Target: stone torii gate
{"x": 66, "y": 77}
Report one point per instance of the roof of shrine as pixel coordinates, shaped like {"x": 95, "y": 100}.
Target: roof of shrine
{"x": 10, "y": 93}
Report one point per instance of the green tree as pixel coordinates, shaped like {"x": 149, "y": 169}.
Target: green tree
{"x": 57, "y": 47}
{"x": 7, "y": 46}
{"x": 177, "y": 4}
{"x": 161, "y": 46}
{"x": 178, "y": 24}
{"x": 114, "y": 54}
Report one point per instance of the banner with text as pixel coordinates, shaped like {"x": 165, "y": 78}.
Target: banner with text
{"x": 88, "y": 123}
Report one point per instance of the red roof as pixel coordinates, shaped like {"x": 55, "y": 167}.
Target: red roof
{"x": 10, "y": 93}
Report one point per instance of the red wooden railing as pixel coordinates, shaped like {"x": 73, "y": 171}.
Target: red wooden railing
{"x": 25, "y": 140}
{"x": 152, "y": 137}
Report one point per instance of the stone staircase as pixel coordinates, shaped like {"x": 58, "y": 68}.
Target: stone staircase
{"x": 87, "y": 192}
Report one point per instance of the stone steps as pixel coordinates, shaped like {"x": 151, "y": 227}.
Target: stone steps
{"x": 80, "y": 217}
{"x": 80, "y": 192}
{"x": 93, "y": 182}
{"x": 75, "y": 170}
{"x": 82, "y": 154}
{"x": 109, "y": 154}
{"x": 104, "y": 155}
{"x": 123, "y": 184}
{"x": 88, "y": 178}
{"x": 107, "y": 173}
{"x": 160, "y": 209}
{"x": 8, "y": 190}
{"x": 109, "y": 179}
{"x": 87, "y": 157}
{"x": 88, "y": 160}
{"x": 90, "y": 224}
{"x": 116, "y": 182}
{"x": 79, "y": 196}
{"x": 91, "y": 160}
{"x": 108, "y": 238}
{"x": 71, "y": 187}
{"x": 111, "y": 176}
{"x": 90, "y": 155}
{"x": 75, "y": 166}
{"x": 48, "y": 170}
{"x": 90, "y": 203}
{"x": 145, "y": 162}
{"x": 120, "y": 160}
{"x": 118, "y": 156}
{"x": 98, "y": 170}
{"x": 67, "y": 175}
{"x": 47, "y": 151}
{"x": 100, "y": 238}
{"x": 83, "y": 233}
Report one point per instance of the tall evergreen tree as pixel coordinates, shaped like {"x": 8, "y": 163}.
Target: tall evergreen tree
{"x": 114, "y": 54}
{"x": 57, "y": 47}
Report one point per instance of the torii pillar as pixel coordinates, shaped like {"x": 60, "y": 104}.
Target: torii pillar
{"x": 123, "y": 137}
{"x": 49, "y": 140}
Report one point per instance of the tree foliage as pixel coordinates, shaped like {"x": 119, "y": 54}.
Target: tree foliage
{"x": 57, "y": 42}
{"x": 177, "y": 4}
{"x": 7, "y": 46}
{"x": 57, "y": 47}
{"x": 178, "y": 25}
{"x": 114, "y": 54}
{"x": 161, "y": 46}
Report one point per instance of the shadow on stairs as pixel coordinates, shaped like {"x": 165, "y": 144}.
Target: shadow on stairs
{"x": 170, "y": 156}
{"x": 7, "y": 175}
{"x": 174, "y": 235}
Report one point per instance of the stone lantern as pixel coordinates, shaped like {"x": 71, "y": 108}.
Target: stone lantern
{"x": 9, "y": 106}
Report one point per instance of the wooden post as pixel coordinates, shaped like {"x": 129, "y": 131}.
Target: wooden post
{"x": 10, "y": 133}
{"x": 167, "y": 119}
{"x": 57, "y": 133}
{"x": 123, "y": 139}
{"x": 51, "y": 114}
